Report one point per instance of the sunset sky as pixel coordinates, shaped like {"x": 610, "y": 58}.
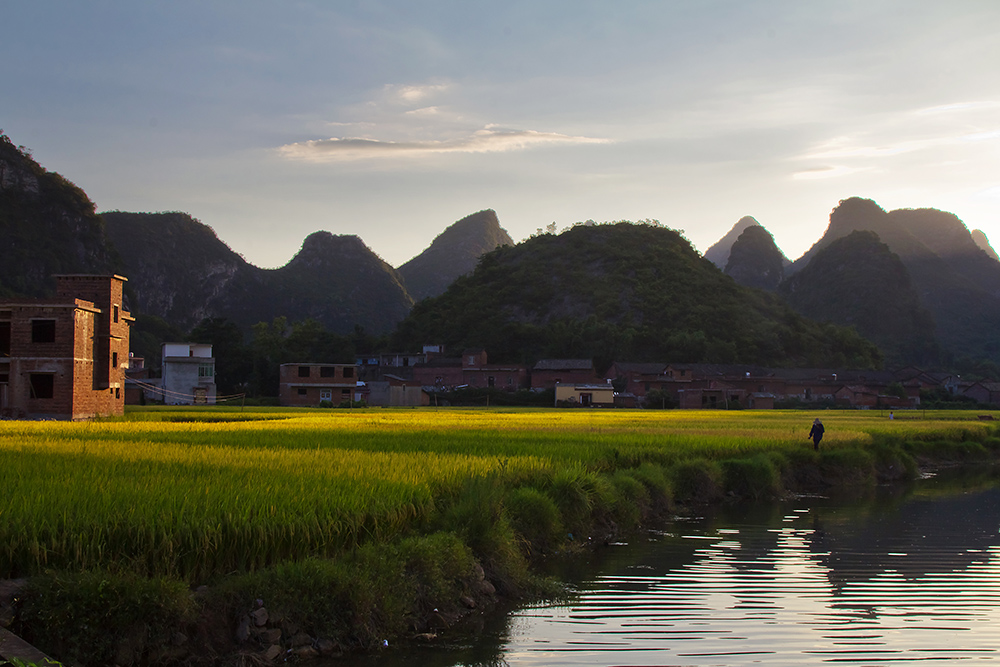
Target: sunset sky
{"x": 392, "y": 119}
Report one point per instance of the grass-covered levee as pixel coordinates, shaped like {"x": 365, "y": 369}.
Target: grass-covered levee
{"x": 202, "y": 535}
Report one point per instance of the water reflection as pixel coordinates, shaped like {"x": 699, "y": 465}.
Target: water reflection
{"x": 898, "y": 577}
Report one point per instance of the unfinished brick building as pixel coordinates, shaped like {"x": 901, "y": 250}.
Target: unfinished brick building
{"x": 312, "y": 384}
{"x": 65, "y": 357}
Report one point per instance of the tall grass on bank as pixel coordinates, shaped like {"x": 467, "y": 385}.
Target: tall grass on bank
{"x": 360, "y": 526}
{"x": 196, "y": 494}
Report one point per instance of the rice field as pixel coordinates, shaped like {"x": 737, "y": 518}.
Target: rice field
{"x": 200, "y": 493}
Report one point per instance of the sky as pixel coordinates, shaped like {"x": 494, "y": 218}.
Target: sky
{"x": 390, "y": 120}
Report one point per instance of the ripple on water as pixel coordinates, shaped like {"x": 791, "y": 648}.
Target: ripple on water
{"x": 917, "y": 582}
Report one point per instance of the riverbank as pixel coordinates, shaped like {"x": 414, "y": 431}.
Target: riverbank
{"x": 530, "y": 484}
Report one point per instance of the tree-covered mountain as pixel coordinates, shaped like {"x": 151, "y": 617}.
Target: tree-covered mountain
{"x": 622, "y": 291}
{"x": 979, "y": 238}
{"x": 47, "y": 226}
{"x": 607, "y": 291}
{"x": 957, "y": 282}
{"x": 755, "y": 261}
{"x": 719, "y": 252}
{"x": 177, "y": 267}
{"x": 857, "y": 281}
{"x": 181, "y": 271}
{"x": 453, "y": 253}
{"x": 338, "y": 281}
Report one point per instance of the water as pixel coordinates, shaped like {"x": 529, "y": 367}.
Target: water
{"x": 901, "y": 577}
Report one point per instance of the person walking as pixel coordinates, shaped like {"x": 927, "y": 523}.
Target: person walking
{"x": 816, "y": 433}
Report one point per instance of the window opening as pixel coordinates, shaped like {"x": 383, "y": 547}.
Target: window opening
{"x": 4, "y": 339}
{"x": 42, "y": 385}
{"x": 43, "y": 331}
{"x": 328, "y": 371}
{"x": 303, "y": 371}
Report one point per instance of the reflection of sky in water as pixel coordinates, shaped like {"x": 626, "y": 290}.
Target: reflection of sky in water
{"x": 916, "y": 583}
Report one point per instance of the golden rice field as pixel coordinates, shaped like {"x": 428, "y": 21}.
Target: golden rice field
{"x": 196, "y": 493}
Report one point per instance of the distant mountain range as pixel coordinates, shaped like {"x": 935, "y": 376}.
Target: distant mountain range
{"x": 181, "y": 272}
{"x": 718, "y": 253}
{"x": 622, "y": 292}
{"x": 453, "y": 253}
{"x": 919, "y": 283}
{"x": 47, "y": 226}
{"x": 916, "y": 282}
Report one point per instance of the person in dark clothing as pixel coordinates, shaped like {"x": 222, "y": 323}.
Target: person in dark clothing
{"x": 816, "y": 433}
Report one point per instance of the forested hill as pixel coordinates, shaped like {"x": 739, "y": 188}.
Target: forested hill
{"x": 755, "y": 260}
{"x": 622, "y": 291}
{"x": 453, "y": 253}
{"x": 957, "y": 282}
{"x": 180, "y": 271}
{"x": 177, "y": 266}
{"x": 47, "y": 226}
{"x": 856, "y": 280}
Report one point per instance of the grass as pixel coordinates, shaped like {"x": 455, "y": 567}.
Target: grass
{"x": 196, "y": 493}
{"x": 244, "y": 500}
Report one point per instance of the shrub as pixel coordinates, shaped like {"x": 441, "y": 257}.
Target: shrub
{"x": 630, "y": 500}
{"x": 535, "y": 517}
{"x": 847, "y": 467}
{"x": 892, "y": 463}
{"x": 754, "y": 477}
{"x": 103, "y": 618}
{"x": 697, "y": 481}
{"x": 654, "y": 478}
{"x": 573, "y": 491}
{"x": 477, "y": 516}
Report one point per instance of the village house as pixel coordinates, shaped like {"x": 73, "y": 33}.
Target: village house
{"x": 137, "y": 378}
{"x": 987, "y": 393}
{"x": 634, "y": 378}
{"x": 472, "y": 369}
{"x": 64, "y": 357}
{"x": 857, "y": 396}
{"x": 187, "y": 375}
{"x": 713, "y": 394}
{"x": 547, "y": 373}
{"x": 312, "y": 384}
{"x": 585, "y": 395}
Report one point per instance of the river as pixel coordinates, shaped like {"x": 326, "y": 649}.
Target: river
{"x": 907, "y": 574}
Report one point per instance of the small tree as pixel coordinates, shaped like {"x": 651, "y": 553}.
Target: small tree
{"x": 659, "y": 399}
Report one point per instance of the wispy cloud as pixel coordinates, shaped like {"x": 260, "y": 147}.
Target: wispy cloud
{"x": 938, "y": 132}
{"x": 413, "y": 94}
{"x": 487, "y": 140}
{"x": 818, "y": 173}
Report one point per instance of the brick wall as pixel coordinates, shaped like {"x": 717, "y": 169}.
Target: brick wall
{"x": 85, "y": 339}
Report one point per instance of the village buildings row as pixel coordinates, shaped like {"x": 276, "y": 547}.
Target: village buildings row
{"x": 66, "y": 357}
{"x": 419, "y": 379}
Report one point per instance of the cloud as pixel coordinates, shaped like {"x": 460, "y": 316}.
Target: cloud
{"x": 425, "y": 111}
{"x": 414, "y": 93}
{"x": 958, "y": 107}
{"x": 818, "y": 173}
{"x": 928, "y": 137}
{"x": 989, "y": 193}
{"x": 487, "y": 140}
